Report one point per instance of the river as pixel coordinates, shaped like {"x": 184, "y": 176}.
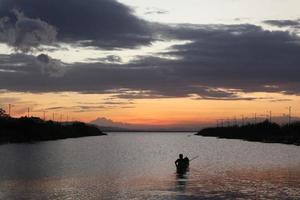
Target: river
{"x": 141, "y": 166}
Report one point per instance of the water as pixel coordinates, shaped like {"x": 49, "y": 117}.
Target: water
{"x": 141, "y": 166}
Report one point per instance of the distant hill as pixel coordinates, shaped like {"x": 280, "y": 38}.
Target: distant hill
{"x": 262, "y": 132}
{"x": 113, "y": 126}
{"x": 24, "y": 129}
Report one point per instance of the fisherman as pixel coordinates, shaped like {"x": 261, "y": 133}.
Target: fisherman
{"x": 182, "y": 164}
{"x": 186, "y": 161}
{"x": 179, "y": 162}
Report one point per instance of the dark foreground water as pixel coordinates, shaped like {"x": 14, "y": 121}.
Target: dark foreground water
{"x": 141, "y": 166}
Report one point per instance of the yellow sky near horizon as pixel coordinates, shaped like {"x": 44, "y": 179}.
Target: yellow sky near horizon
{"x": 166, "y": 111}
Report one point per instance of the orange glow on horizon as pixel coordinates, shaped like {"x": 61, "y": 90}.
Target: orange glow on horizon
{"x": 168, "y": 111}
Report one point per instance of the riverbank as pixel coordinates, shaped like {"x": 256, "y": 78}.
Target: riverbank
{"x": 261, "y": 132}
{"x": 26, "y": 130}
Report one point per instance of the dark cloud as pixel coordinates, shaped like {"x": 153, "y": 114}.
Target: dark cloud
{"x": 107, "y": 59}
{"x": 85, "y": 108}
{"x": 24, "y": 33}
{"x": 111, "y": 59}
{"x": 55, "y": 108}
{"x": 104, "y": 23}
{"x": 76, "y": 108}
{"x": 220, "y": 62}
{"x": 21, "y": 66}
{"x": 98, "y": 108}
{"x": 283, "y": 23}
{"x": 155, "y": 11}
{"x": 49, "y": 66}
{"x": 241, "y": 57}
{"x": 280, "y": 100}
{"x": 43, "y": 58}
{"x": 117, "y": 103}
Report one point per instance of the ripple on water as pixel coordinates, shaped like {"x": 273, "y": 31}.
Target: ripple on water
{"x": 140, "y": 166}
{"x": 246, "y": 184}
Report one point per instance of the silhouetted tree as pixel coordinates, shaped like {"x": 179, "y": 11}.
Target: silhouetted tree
{"x": 3, "y": 113}
{"x": 264, "y": 131}
{"x": 33, "y": 129}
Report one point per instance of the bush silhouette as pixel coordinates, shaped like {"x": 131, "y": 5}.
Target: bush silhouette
{"x": 264, "y": 132}
{"x": 33, "y": 129}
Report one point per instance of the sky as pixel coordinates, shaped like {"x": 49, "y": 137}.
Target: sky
{"x": 154, "y": 63}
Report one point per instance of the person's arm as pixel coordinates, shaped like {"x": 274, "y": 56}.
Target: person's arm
{"x": 176, "y": 162}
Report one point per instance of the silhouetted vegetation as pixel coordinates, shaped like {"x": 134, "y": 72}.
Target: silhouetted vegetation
{"x": 24, "y": 129}
{"x": 262, "y": 132}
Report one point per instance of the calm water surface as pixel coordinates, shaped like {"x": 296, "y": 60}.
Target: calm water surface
{"x": 141, "y": 166}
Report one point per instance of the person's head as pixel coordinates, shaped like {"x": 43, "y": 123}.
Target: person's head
{"x": 180, "y": 156}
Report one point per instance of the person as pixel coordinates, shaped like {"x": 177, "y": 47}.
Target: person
{"x": 182, "y": 164}
{"x": 186, "y": 162}
{"x": 179, "y": 162}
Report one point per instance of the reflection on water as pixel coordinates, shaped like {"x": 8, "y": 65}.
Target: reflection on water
{"x": 231, "y": 185}
{"x": 181, "y": 181}
{"x": 141, "y": 166}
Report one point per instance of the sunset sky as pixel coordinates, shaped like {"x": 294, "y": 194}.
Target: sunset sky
{"x": 158, "y": 62}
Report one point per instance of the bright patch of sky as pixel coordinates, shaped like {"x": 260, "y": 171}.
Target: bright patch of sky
{"x": 214, "y": 11}
{"x": 69, "y": 53}
{"x": 72, "y": 54}
{"x": 5, "y": 49}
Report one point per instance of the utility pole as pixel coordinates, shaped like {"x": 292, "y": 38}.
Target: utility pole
{"x": 9, "y": 110}
{"x": 28, "y": 112}
{"x": 53, "y": 115}
{"x": 254, "y": 118}
{"x": 283, "y": 117}
{"x": 243, "y": 120}
{"x": 44, "y": 112}
{"x": 228, "y": 123}
{"x": 222, "y": 122}
{"x": 270, "y": 116}
{"x": 290, "y": 115}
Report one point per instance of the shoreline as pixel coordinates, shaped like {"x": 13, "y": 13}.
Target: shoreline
{"x": 259, "y": 141}
{"x": 265, "y": 132}
{"x": 31, "y": 130}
